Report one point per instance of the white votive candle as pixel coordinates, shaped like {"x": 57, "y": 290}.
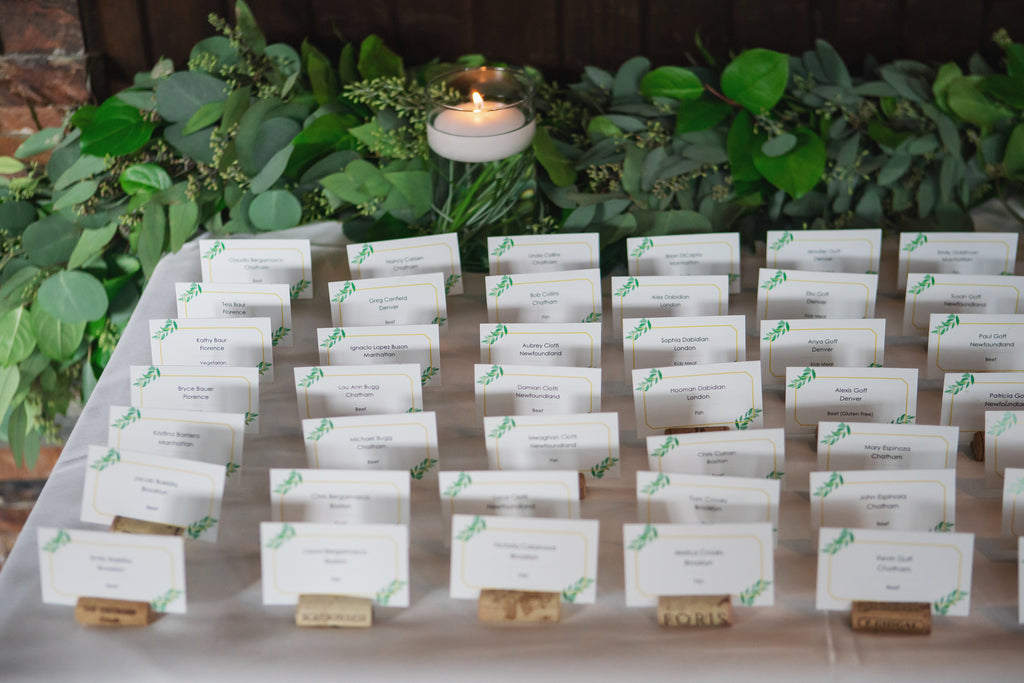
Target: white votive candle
{"x": 479, "y": 132}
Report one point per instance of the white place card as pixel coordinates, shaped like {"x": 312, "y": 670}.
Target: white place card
{"x": 1020, "y": 580}
{"x": 883, "y": 446}
{"x": 197, "y": 388}
{"x": 711, "y": 395}
{"x": 401, "y": 441}
{"x": 259, "y": 261}
{"x": 536, "y": 390}
{"x": 342, "y": 390}
{"x": 587, "y": 443}
{"x": 1013, "y": 501}
{"x": 154, "y": 488}
{"x": 849, "y": 395}
{"x": 74, "y": 563}
{"x": 339, "y": 496}
{"x": 678, "y": 342}
{"x": 895, "y": 566}
{"x": 757, "y": 453}
{"x": 405, "y": 300}
{"x": 357, "y": 560}
{"x": 246, "y": 300}
{"x": 409, "y": 256}
{"x": 974, "y": 343}
{"x": 829, "y": 251}
{"x": 929, "y": 293}
{"x": 559, "y": 344}
{"x": 967, "y": 397}
{"x": 523, "y": 553}
{"x": 820, "y": 344}
{"x": 788, "y": 294}
{"x": 383, "y": 345}
{"x": 669, "y": 296}
{"x": 963, "y": 253}
{"x": 1004, "y": 444}
{"x": 695, "y": 559}
{"x": 709, "y": 254}
{"x": 569, "y": 296}
{"x": 213, "y": 343}
{"x": 543, "y": 253}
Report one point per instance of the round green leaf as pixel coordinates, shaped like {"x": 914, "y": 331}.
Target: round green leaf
{"x": 274, "y": 135}
{"x": 144, "y": 178}
{"x": 968, "y": 102}
{"x": 213, "y": 55}
{"x": 17, "y": 341}
{"x": 195, "y": 145}
{"x": 39, "y": 142}
{"x": 56, "y": 340}
{"x": 778, "y": 145}
{"x": 797, "y": 171}
{"x": 275, "y": 210}
{"x": 756, "y": 79}
{"x": 673, "y": 82}
{"x": 72, "y": 296}
{"x": 180, "y": 95}
{"x": 90, "y": 244}
{"x": 117, "y": 128}
{"x": 10, "y": 165}
{"x": 16, "y": 216}
{"x": 76, "y": 194}
{"x": 50, "y": 241}
{"x": 700, "y": 115}
{"x": 272, "y": 170}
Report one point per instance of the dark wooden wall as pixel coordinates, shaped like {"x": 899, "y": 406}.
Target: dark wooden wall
{"x": 558, "y": 36}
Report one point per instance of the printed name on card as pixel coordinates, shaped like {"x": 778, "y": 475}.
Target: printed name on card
{"x": 213, "y": 342}
{"x": 966, "y": 397}
{"x": 712, "y": 254}
{"x": 574, "y": 344}
{"x": 654, "y": 296}
{"x": 962, "y": 253}
{"x": 224, "y": 300}
{"x": 832, "y": 251}
{"x": 676, "y": 342}
{"x": 758, "y": 453}
{"x": 193, "y": 387}
{"x": 536, "y": 390}
{"x": 339, "y": 496}
{"x": 850, "y": 395}
{"x": 399, "y": 441}
{"x": 409, "y": 256}
{"x": 820, "y": 344}
{"x": 569, "y": 296}
{"x": 881, "y": 446}
{"x": 787, "y": 294}
{"x": 543, "y": 253}
{"x": 342, "y": 390}
{"x": 383, "y": 345}
{"x": 405, "y": 300}
{"x": 946, "y": 294}
{"x": 587, "y": 442}
{"x": 259, "y": 261}
{"x": 974, "y": 343}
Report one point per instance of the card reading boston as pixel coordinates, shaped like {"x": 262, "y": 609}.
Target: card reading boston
{"x": 409, "y": 256}
{"x": 586, "y": 442}
{"x": 929, "y": 293}
{"x": 524, "y": 553}
{"x": 259, "y": 261}
{"x": 357, "y": 560}
{"x": 224, "y": 300}
{"x": 758, "y": 453}
{"x": 100, "y": 564}
{"x": 543, "y": 253}
{"x": 786, "y": 294}
{"x": 658, "y": 342}
{"x": 966, "y": 253}
{"x": 339, "y": 496}
{"x": 572, "y": 344}
{"x": 974, "y": 343}
{"x": 383, "y": 345}
{"x": 712, "y": 254}
{"x": 536, "y": 390}
{"x": 820, "y": 344}
{"x": 398, "y": 441}
{"x": 569, "y": 296}
{"x": 193, "y": 387}
{"x": 882, "y": 446}
{"x": 850, "y": 395}
{"x": 654, "y": 296}
{"x": 832, "y": 251}
{"x": 213, "y": 342}
{"x": 895, "y": 566}
{"x": 406, "y": 300}
{"x": 341, "y": 390}
{"x": 1004, "y": 444}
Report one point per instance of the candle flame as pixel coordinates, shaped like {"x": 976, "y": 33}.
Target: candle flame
{"x": 478, "y": 102}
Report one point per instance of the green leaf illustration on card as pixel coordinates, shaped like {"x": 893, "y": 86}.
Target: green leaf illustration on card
{"x": 774, "y": 281}
{"x": 915, "y": 243}
{"x": 364, "y": 253}
{"x": 903, "y": 419}
{"x": 312, "y": 377}
{"x": 506, "y": 425}
{"x": 1006, "y": 272}
{"x": 298, "y": 288}
{"x": 639, "y": 330}
{"x": 781, "y": 328}
{"x": 805, "y": 376}
{"x": 475, "y": 527}
{"x": 653, "y": 377}
{"x": 660, "y": 482}
{"x": 286, "y": 534}
{"x": 250, "y": 417}
{"x": 438, "y": 320}
{"x": 926, "y": 282}
{"x": 57, "y": 542}
{"x": 574, "y": 589}
{"x": 164, "y": 600}
{"x": 844, "y": 539}
{"x": 148, "y": 377}
{"x": 645, "y": 537}
{"x": 733, "y": 277}
{"x": 131, "y": 415}
{"x": 591, "y": 318}
{"x": 347, "y": 290}
{"x": 840, "y": 432}
{"x": 1007, "y": 421}
{"x": 943, "y": 526}
{"x": 414, "y": 409}
{"x": 428, "y": 374}
{"x": 263, "y": 367}
{"x": 109, "y": 460}
{"x": 965, "y": 382}
{"x": 491, "y": 375}
{"x": 279, "y": 334}
{"x": 775, "y": 474}
{"x": 602, "y": 468}
{"x": 874, "y": 365}
{"x": 494, "y": 335}
{"x": 784, "y": 239}
{"x": 290, "y": 483}
{"x": 419, "y": 470}
{"x": 461, "y": 482}
{"x": 336, "y": 335}
{"x": 646, "y": 244}
{"x": 503, "y": 286}
{"x": 230, "y": 468}
{"x": 1016, "y": 488}
{"x": 216, "y": 248}
{"x": 834, "y": 481}
{"x": 166, "y": 330}
{"x": 747, "y": 418}
{"x": 946, "y": 325}
{"x": 756, "y": 590}
{"x": 630, "y": 285}
{"x": 503, "y": 247}
{"x": 193, "y": 290}
{"x": 322, "y": 430}
{"x": 384, "y": 595}
{"x": 946, "y": 602}
{"x": 450, "y": 282}
{"x": 197, "y": 528}
{"x": 665, "y": 448}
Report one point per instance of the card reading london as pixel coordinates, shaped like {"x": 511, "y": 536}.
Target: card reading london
{"x": 409, "y": 256}
{"x": 383, "y": 345}
{"x": 850, "y": 395}
{"x": 967, "y": 397}
{"x": 1013, "y": 501}
{"x": 974, "y": 343}
{"x": 929, "y": 293}
{"x": 357, "y": 560}
{"x": 962, "y": 253}
{"x": 224, "y": 300}
{"x": 213, "y": 342}
{"x": 536, "y": 390}
{"x": 558, "y": 344}
{"x": 74, "y": 563}
{"x": 524, "y": 553}
{"x": 895, "y": 566}
{"x": 787, "y": 294}
{"x": 883, "y": 446}
{"x": 1004, "y": 444}
{"x": 259, "y": 261}
{"x": 828, "y": 251}
{"x": 696, "y": 559}
{"x": 399, "y": 441}
{"x": 586, "y": 442}
{"x": 405, "y": 300}
{"x": 654, "y": 296}
{"x": 678, "y": 342}
{"x": 342, "y": 390}
{"x": 711, "y": 395}
{"x": 543, "y": 253}
{"x": 568, "y": 296}
{"x": 711, "y": 254}
{"x": 758, "y": 453}
{"x": 339, "y": 496}
{"x": 820, "y": 344}
{"x": 193, "y": 387}
{"x": 154, "y": 488}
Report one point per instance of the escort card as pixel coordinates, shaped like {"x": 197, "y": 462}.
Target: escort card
{"x": 213, "y": 342}
{"x": 895, "y": 566}
{"x": 406, "y": 300}
{"x": 570, "y": 296}
{"x": 929, "y": 293}
{"x": 358, "y": 560}
{"x": 974, "y": 343}
{"x": 671, "y": 296}
{"x": 1004, "y": 444}
{"x": 1013, "y": 501}
{"x": 223, "y": 300}
{"x": 341, "y": 390}
{"x": 99, "y": 564}
{"x": 677, "y": 342}
{"x": 712, "y": 254}
{"x": 339, "y": 496}
{"x": 154, "y": 488}
{"x": 409, "y": 256}
{"x": 850, "y": 395}
{"x": 829, "y": 251}
{"x": 523, "y": 553}
{"x": 588, "y": 443}
{"x": 208, "y": 437}
{"x": 820, "y": 344}
{"x": 787, "y": 294}
{"x": 259, "y": 261}
{"x": 694, "y": 559}
{"x": 573, "y": 344}
{"x": 536, "y": 390}
{"x": 965, "y": 253}
{"x": 383, "y": 345}
{"x": 712, "y": 395}
{"x": 757, "y": 453}
{"x": 1020, "y": 580}
{"x": 402, "y": 441}
{"x": 543, "y": 253}
{"x": 967, "y": 397}
{"x": 193, "y": 387}
{"x": 881, "y": 446}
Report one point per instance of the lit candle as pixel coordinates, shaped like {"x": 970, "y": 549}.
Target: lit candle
{"x": 479, "y": 131}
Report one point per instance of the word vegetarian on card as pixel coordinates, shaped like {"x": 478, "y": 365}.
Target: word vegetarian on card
{"x": 758, "y": 453}
{"x": 409, "y": 256}
{"x": 787, "y": 294}
{"x": 574, "y": 344}
{"x": 400, "y": 441}
{"x": 676, "y": 342}
{"x": 712, "y": 254}
{"x": 213, "y": 342}
{"x": 153, "y": 488}
{"x": 1013, "y": 501}
{"x": 966, "y": 397}
{"x": 586, "y": 442}
{"x": 524, "y": 553}
{"x": 830, "y": 251}
{"x": 259, "y": 261}
{"x": 543, "y": 253}
{"x": 882, "y": 446}
{"x": 341, "y": 390}
{"x": 357, "y": 560}
{"x": 224, "y": 300}
{"x": 962, "y": 253}
{"x": 668, "y": 296}
{"x": 694, "y": 559}
{"x": 850, "y": 395}
{"x": 75, "y": 563}
{"x": 1004, "y": 444}
{"x": 974, "y": 343}
{"x": 895, "y": 566}
{"x": 698, "y": 397}
{"x": 929, "y": 293}
{"x": 569, "y": 296}
{"x": 339, "y": 496}
{"x": 197, "y": 388}
{"x": 536, "y": 390}
{"x": 820, "y": 344}
{"x": 405, "y": 300}
{"x": 383, "y": 345}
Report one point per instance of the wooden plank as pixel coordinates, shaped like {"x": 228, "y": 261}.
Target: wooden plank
{"x": 175, "y": 27}
{"x": 283, "y": 22}
{"x": 434, "y": 28}
{"x": 783, "y": 25}
{"x": 670, "y": 26}
{"x": 603, "y": 33}
{"x": 868, "y": 27}
{"x": 1002, "y": 14}
{"x": 115, "y": 31}
{"x": 522, "y": 32}
{"x": 354, "y": 21}
{"x": 941, "y": 30}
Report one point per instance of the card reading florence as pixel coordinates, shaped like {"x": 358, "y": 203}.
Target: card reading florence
{"x": 405, "y": 300}
{"x": 699, "y": 559}
{"x": 543, "y": 253}
{"x": 536, "y": 390}
{"x": 213, "y": 342}
{"x": 832, "y": 251}
{"x": 967, "y": 397}
{"x": 224, "y": 300}
{"x": 786, "y": 294}
{"x": 524, "y": 553}
{"x": 974, "y": 343}
{"x": 711, "y": 254}
{"x": 585, "y": 442}
{"x": 572, "y": 344}
{"x": 929, "y": 293}
{"x": 850, "y": 395}
{"x": 1004, "y": 444}
{"x": 820, "y": 344}
{"x": 654, "y": 296}
{"x": 259, "y": 261}
{"x": 895, "y": 566}
{"x": 569, "y": 296}
{"x": 342, "y": 390}
{"x": 383, "y": 345}
{"x": 962, "y": 253}
{"x": 409, "y": 256}
{"x": 883, "y": 446}
{"x": 339, "y": 496}
{"x": 357, "y": 560}
{"x": 397, "y": 441}
{"x": 193, "y": 387}
{"x": 758, "y": 453}
{"x": 74, "y": 563}
{"x": 659, "y": 342}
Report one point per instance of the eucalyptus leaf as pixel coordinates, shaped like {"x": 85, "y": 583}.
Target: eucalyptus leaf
{"x": 272, "y": 170}
{"x": 321, "y": 76}
{"x": 72, "y": 296}
{"x": 144, "y": 178}
{"x": 180, "y": 95}
{"x": 1013, "y": 158}
{"x": 37, "y": 143}
{"x": 90, "y": 245}
{"x": 24, "y": 437}
{"x": 894, "y": 169}
{"x": 182, "y": 220}
{"x": 629, "y": 124}
{"x": 739, "y": 145}
{"x": 847, "y": 155}
{"x": 214, "y": 55}
{"x": 15, "y": 216}
{"x": 50, "y": 241}
{"x": 56, "y": 340}
{"x": 756, "y": 79}
{"x": 236, "y": 104}
{"x": 207, "y": 115}
{"x": 832, "y": 64}
{"x": 16, "y": 288}
{"x": 10, "y": 377}
{"x": 905, "y": 84}
{"x": 151, "y": 238}
{"x": 195, "y": 146}
{"x": 275, "y": 210}
{"x": 76, "y": 194}
{"x": 969, "y": 103}
{"x": 84, "y": 167}
{"x": 869, "y": 208}
{"x": 415, "y": 188}
{"x": 797, "y": 171}
{"x": 626, "y": 82}
{"x": 10, "y": 166}
{"x": 17, "y": 340}
{"x": 559, "y": 167}
{"x": 599, "y": 77}
{"x": 778, "y": 145}
{"x": 1009, "y": 89}
{"x": 376, "y": 60}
